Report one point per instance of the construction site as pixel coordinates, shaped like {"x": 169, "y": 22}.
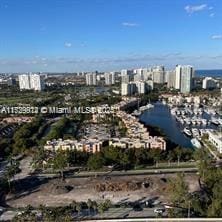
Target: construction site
{"x": 35, "y": 191}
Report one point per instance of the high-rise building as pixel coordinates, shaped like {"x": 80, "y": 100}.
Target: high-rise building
{"x": 37, "y": 82}
{"x": 137, "y": 77}
{"x": 170, "y": 78}
{"x": 109, "y": 78}
{"x": 124, "y": 89}
{"x": 126, "y": 75}
{"x": 31, "y": 81}
{"x": 209, "y": 83}
{"x": 149, "y": 85}
{"x": 128, "y": 89}
{"x": 24, "y": 81}
{"x": 178, "y": 76}
{"x": 158, "y": 74}
{"x": 187, "y": 74}
{"x": 91, "y": 79}
{"x": 140, "y": 87}
{"x": 125, "y": 72}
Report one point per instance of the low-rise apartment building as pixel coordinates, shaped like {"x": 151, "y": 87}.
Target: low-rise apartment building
{"x": 216, "y": 139}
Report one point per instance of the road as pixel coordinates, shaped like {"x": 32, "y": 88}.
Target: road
{"x": 125, "y": 173}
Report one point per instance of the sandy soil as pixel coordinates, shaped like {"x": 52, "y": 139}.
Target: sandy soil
{"x": 84, "y": 189}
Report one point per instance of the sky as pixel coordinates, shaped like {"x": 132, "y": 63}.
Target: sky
{"x": 108, "y": 35}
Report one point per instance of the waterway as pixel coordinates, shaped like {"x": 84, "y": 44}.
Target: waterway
{"x": 160, "y": 116}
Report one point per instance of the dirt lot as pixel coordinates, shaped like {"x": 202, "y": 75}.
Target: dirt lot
{"x": 129, "y": 188}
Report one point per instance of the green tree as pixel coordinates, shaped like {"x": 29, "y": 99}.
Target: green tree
{"x": 178, "y": 190}
{"x": 170, "y": 157}
{"x": 156, "y": 155}
{"x": 178, "y": 152}
{"x": 89, "y": 204}
{"x": 96, "y": 161}
{"x": 104, "y": 206}
{"x": 60, "y": 162}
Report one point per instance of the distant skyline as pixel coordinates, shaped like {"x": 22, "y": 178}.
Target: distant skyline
{"x": 106, "y": 35}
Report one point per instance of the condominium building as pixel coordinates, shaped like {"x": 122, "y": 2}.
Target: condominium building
{"x": 158, "y": 74}
{"x": 126, "y": 75}
{"x": 31, "y": 81}
{"x": 37, "y": 82}
{"x": 109, "y": 78}
{"x": 178, "y": 76}
{"x": 128, "y": 88}
{"x": 186, "y": 79}
{"x": 209, "y": 83}
{"x": 170, "y": 78}
{"x": 91, "y": 79}
{"x": 24, "y": 81}
{"x": 149, "y": 85}
{"x": 140, "y": 87}
{"x": 87, "y": 145}
{"x": 216, "y": 139}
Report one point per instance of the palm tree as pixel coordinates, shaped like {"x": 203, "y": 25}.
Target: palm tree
{"x": 178, "y": 152}
{"x": 73, "y": 205}
{"x": 89, "y": 205}
{"x": 60, "y": 162}
{"x": 79, "y": 207}
{"x": 94, "y": 206}
{"x": 170, "y": 157}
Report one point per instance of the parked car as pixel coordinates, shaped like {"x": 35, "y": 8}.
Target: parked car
{"x": 159, "y": 210}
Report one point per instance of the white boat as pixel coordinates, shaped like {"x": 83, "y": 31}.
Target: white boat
{"x": 195, "y": 142}
{"x": 164, "y": 102}
{"x": 149, "y": 106}
{"x": 187, "y": 132}
{"x": 195, "y": 132}
{"x": 195, "y": 112}
{"x": 136, "y": 113}
{"x": 215, "y": 121}
{"x": 143, "y": 108}
{"x": 193, "y": 122}
{"x": 182, "y": 121}
{"x": 204, "y": 122}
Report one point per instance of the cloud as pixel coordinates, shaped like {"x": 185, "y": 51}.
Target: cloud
{"x": 195, "y": 8}
{"x": 130, "y": 24}
{"x": 215, "y": 37}
{"x": 212, "y": 15}
{"x": 68, "y": 44}
{"x": 131, "y": 60}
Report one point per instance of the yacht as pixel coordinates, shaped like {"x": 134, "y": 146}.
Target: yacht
{"x": 143, "y": 108}
{"x": 164, "y": 102}
{"x": 204, "y": 122}
{"x": 215, "y": 121}
{"x": 187, "y": 132}
{"x": 195, "y": 132}
{"x": 136, "y": 113}
{"x": 193, "y": 122}
{"x": 195, "y": 142}
{"x": 149, "y": 106}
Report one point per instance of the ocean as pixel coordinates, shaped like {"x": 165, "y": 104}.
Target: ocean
{"x": 209, "y": 72}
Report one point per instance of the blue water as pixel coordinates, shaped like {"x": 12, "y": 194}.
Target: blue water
{"x": 210, "y": 73}
{"x": 161, "y": 117}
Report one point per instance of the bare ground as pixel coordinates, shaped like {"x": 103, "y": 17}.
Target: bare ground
{"x": 56, "y": 193}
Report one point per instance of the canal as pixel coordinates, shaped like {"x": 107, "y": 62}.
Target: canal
{"x": 160, "y": 116}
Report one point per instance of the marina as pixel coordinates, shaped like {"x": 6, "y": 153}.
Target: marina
{"x": 182, "y": 125}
